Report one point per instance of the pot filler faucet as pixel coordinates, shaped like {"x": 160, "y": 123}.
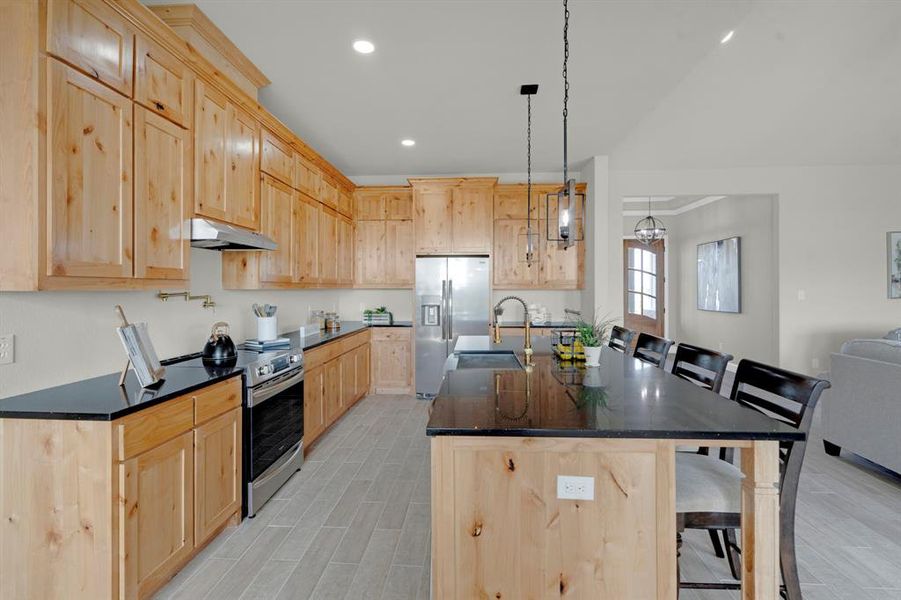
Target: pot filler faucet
{"x": 499, "y": 310}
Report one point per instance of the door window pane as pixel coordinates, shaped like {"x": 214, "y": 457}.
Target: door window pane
{"x": 649, "y": 307}
{"x": 648, "y": 261}
{"x": 634, "y": 281}
{"x": 635, "y": 258}
{"x": 649, "y": 284}
{"x": 634, "y": 304}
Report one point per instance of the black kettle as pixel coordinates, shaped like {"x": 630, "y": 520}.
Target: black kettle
{"x": 219, "y": 350}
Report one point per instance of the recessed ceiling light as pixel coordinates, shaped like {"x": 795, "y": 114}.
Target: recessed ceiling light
{"x": 364, "y": 46}
{"x": 408, "y": 142}
{"x": 727, "y": 37}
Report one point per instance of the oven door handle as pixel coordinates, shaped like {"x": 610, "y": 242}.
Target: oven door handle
{"x": 258, "y": 396}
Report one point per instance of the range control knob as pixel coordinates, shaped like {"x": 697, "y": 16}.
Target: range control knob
{"x": 294, "y": 358}
{"x": 263, "y": 370}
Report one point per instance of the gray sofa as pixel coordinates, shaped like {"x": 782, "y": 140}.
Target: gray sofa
{"x": 862, "y": 411}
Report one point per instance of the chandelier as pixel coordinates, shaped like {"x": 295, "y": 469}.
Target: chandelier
{"x": 649, "y": 229}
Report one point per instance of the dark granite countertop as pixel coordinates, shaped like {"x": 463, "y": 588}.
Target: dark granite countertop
{"x": 623, "y": 398}
{"x": 101, "y": 398}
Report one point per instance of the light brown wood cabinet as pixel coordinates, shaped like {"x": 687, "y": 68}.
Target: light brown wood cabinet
{"x": 509, "y": 269}
{"x": 370, "y": 260}
{"x": 145, "y": 493}
{"x": 337, "y": 376}
{"x": 328, "y": 246}
{"x": 345, "y": 203}
{"x": 90, "y": 191}
{"x": 392, "y": 360}
{"x": 162, "y": 197}
{"x": 328, "y": 193}
{"x": 278, "y": 222}
{"x": 94, "y": 37}
{"x": 276, "y": 158}
{"x": 306, "y": 255}
{"x": 227, "y": 166}
{"x": 163, "y": 83}
{"x": 453, "y": 215}
{"x": 377, "y": 203}
{"x": 385, "y": 254}
{"x": 307, "y": 177}
{"x": 400, "y": 258}
{"x": 345, "y": 252}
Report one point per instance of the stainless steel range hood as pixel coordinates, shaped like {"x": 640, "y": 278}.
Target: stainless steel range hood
{"x": 212, "y": 235}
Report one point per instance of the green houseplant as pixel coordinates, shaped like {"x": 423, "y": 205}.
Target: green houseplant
{"x": 594, "y": 335}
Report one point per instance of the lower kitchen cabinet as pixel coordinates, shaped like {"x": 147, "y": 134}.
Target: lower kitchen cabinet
{"x": 337, "y": 376}
{"x": 392, "y": 360}
{"x": 133, "y": 499}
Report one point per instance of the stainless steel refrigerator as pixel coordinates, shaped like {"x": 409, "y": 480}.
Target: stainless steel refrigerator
{"x": 453, "y": 298}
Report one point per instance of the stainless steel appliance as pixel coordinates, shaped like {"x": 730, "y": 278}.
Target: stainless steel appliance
{"x": 213, "y": 235}
{"x": 453, "y": 298}
{"x": 273, "y": 420}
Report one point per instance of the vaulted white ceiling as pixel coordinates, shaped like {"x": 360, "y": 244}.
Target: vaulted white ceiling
{"x": 802, "y": 82}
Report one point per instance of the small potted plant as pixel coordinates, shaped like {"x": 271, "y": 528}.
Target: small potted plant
{"x": 593, "y": 336}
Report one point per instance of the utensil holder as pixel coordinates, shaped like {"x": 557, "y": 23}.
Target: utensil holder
{"x": 267, "y": 329}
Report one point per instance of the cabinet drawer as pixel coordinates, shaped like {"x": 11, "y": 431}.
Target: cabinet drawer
{"x": 216, "y": 399}
{"x": 325, "y": 353}
{"x": 392, "y": 334}
{"x": 149, "y": 428}
{"x": 93, "y": 37}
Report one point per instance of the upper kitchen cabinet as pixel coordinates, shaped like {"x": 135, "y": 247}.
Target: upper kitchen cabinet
{"x": 307, "y": 176}
{"x": 433, "y": 211}
{"x": 162, "y": 197}
{"x": 378, "y": 203}
{"x": 511, "y": 201}
{"x": 346, "y": 202}
{"x": 328, "y": 192}
{"x": 278, "y": 222}
{"x": 277, "y": 158}
{"x": 398, "y": 204}
{"x": 163, "y": 83}
{"x": 226, "y": 141}
{"x": 93, "y": 37}
{"x": 345, "y": 252}
{"x": 89, "y": 161}
{"x": 384, "y": 237}
{"x": 306, "y": 242}
{"x": 509, "y": 268}
{"x": 328, "y": 246}
{"x": 473, "y": 201}
{"x": 369, "y": 204}
{"x": 453, "y": 216}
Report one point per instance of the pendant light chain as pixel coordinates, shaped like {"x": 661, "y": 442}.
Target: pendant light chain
{"x": 565, "y": 84}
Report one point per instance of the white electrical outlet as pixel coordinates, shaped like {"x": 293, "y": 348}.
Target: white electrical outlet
{"x": 571, "y": 487}
{"x": 7, "y": 349}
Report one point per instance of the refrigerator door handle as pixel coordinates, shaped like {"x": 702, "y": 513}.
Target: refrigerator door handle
{"x": 450, "y": 309}
{"x": 444, "y": 309}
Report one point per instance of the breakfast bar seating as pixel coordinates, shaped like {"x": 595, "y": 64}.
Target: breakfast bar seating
{"x": 557, "y": 480}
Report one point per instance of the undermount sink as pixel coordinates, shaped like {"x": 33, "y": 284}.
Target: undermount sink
{"x": 488, "y": 360}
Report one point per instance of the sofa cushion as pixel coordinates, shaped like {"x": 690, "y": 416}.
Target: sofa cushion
{"x": 880, "y": 349}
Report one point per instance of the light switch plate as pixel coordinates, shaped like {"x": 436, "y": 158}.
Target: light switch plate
{"x": 572, "y": 487}
{"x": 7, "y": 349}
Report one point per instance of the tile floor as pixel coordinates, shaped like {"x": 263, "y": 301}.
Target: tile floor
{"x": 354, "y": 523}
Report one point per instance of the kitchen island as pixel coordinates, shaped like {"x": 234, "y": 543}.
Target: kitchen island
{"x": 502, "y": 438}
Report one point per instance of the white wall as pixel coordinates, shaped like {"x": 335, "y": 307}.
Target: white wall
{"x": 67, "y": 336}
{"x": 832, "y": 222}
{"x": 554, "y": 301}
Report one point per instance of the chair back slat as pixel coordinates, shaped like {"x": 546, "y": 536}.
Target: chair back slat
{"x": 652, "y": 349}
{"x": 700, "y": 366}
{"x": 621, "y": 338}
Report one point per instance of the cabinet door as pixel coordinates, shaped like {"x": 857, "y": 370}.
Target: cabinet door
{"x": 328, "y": 246}
{"x": 332, "y": 391}
{"x": 511, "y": 202}
{"x": 328, "y": 193}
{"x": 508, "y": 257}
{"x": 347, "y": 364}
{"x": 89, "y": 147}
{"x": 210, "y": 152}
{"x": 306, "y": 239}
{"x": 369, "y": 205}
{"x": 95, "y": 38}
{"x": 400, "y": 258}
{"x": 392, "y": 360}
{"x": 162, "y": 197}
{"x": 277, "y": 221}
{"x": 163, "y": 83}
{"x": 313, "y": 404}
{"x": 157, "y": 514}
{"x": 345, "y": 252}
{"x": 345, "y": 203}
{"x": 217, "y": 473}
{"x": 472, "y": 218}
{"x": 363, "y": 382}
{"x": 399, "y": 205}
{"x": 276, "y": 158}
{"x": 433, "y": 207}
{"x": 243, "y": 174}
{"x": 560, "y": 268}
{"x": 370, "y": 238}
{"x": 307, "y": 178}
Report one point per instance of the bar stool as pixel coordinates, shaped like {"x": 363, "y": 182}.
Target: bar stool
{"x": 621, "y": 338}
{"x": 652, "y": 349}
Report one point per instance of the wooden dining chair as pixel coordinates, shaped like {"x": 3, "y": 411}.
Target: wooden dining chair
{"x": 621, "y": 338}
{"x": 652, "y": 349}
{"x": 700, "y": 366}
{"x": 708, "y": 488}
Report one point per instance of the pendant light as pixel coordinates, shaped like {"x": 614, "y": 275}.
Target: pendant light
{"x": 568, "y": 205}
{"x": 531, "y": 237}
{"x": 649, "y": 229}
